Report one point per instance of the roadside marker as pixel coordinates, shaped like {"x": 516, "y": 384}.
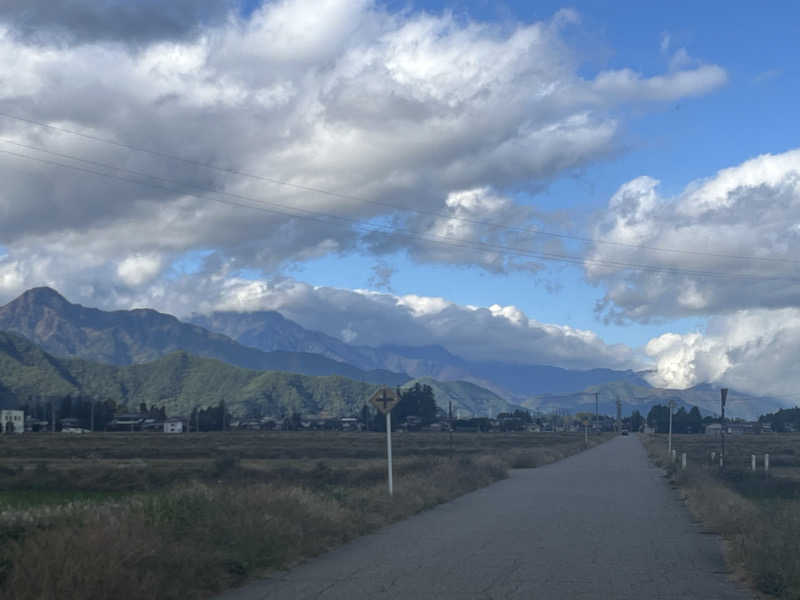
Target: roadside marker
{"x": 385, "y": 399}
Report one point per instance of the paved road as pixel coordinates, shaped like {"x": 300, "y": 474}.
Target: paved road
{"x": 601, "y": 524}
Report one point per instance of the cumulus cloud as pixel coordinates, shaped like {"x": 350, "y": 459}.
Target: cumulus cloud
{"x": 83, "y": 21}
{"x": 374, "y": 318}
{"x": 626, "y": 84}
{"x": 753, "y": 351}
{"x": 726, "y": 243}
{"x": 357, "y": 316}
{"x": 410, "y": 119}
{"x": 138, "y": 269}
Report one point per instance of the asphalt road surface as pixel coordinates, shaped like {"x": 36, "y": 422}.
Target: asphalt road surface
{"x": 600, "y": 524}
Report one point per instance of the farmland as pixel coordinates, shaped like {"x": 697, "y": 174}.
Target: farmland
{"x": 757, "y": 513}
{"x": 151, "y": 515}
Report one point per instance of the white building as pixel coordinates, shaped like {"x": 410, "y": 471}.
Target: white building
{"x": 173, "y": 426}
{"x": 12, "y": 421}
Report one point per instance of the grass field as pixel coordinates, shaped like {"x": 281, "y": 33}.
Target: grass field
{"x": 758, "y": 514}
{"x": 125, "y": 516}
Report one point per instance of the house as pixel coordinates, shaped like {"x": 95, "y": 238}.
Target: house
{"x": 32, "y": 424}
{"x": 12, "y": 421}
{"x": 71, "y": 425}
{"x": 127, "y": 422}
{"x": 349, "y": 424}
{"x": 174, "y": 425}
{"x": 736, "y": 428}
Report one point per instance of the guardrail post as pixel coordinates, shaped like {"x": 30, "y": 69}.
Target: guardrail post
{"x": 766, "y": 464}
{"x": 683, "y": 461}
{"x": 753, "y": 462}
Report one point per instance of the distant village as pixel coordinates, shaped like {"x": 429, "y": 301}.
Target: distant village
{"x": 42, "y": 419}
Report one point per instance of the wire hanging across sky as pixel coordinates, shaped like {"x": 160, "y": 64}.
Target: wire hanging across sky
{"x": 350, "y": 197}
{"x": 242, "y": 201}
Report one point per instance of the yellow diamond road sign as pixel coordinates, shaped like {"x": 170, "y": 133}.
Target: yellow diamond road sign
{"x": 385, "y": 399}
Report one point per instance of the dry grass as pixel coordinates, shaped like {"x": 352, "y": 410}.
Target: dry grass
{"x": 760, "y": 524}
{"x": 261, "y": 503}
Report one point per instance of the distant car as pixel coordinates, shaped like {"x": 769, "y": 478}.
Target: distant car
{"x": 624, "y": 432}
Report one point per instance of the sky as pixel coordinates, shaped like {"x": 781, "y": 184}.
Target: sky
{"x": 584, "y": 185}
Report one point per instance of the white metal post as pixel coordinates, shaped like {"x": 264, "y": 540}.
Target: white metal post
{"x": 670, "y": 428}
{"x": 766, "y": 464}
{"x": 753, "y": 462}
{"x": 389, "y": 450}
{"x": 683, "y": 461}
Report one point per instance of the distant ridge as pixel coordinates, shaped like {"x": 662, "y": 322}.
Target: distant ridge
{"x": 127, "y": 337}
{"x": 178, "y": 381}
{"x": 181, "y": 382}
{"x": 268, "y": 330}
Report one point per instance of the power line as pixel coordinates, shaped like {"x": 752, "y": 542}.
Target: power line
{"x": 350, "y": 197}
{"x": 326, "y": 217}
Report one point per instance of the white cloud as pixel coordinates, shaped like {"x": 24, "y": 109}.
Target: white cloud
{"x": 753, "y": 351}
{"x": 138, "y": 269}
{"x": 404, "y": 109}
{"x": 733, "y": 243}
{"x": 626, "y": 85}
{"x": 371, "y": 318}
{"x": 367, "y": 317}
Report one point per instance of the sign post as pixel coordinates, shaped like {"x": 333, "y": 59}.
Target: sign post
{"x": 385, "y": 399}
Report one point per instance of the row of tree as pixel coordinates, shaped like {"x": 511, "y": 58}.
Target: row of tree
{"x": 682, "y": 421}
{"x": 786, "y": 419}
{"x": 69, "y": 407}
{"x": 80, "y": 408}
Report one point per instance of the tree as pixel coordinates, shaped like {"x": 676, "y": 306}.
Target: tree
{"x": 636, "y": 421}
{"x": 419, "y": 401}
{"x": 366, "y": 416}
{"x": 523, "y": 415}
{"x": 658, "y": 418}
{"x": 695, "y": 421}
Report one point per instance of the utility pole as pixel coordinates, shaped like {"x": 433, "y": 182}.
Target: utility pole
{"x": 669, "y": 437}
{"x": 91, "y": 417}
{"x": 619, "y": 415}
{"x": 52, "y": 416}
{"x": 723, "y": 392}
{"x": 450, "y": 425}
{"x": 596, "y": 411}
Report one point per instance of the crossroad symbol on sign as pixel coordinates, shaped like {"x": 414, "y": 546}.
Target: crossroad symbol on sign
{"x": 384, "y": 399}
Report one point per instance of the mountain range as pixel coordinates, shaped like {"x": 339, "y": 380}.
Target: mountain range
{"x": 126, "y": 337}
{"x": 181, "y": 382}
{"x": 266, "y": 341}
{"x": 642, "y": 398}
{"x": 270, "y": 331}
